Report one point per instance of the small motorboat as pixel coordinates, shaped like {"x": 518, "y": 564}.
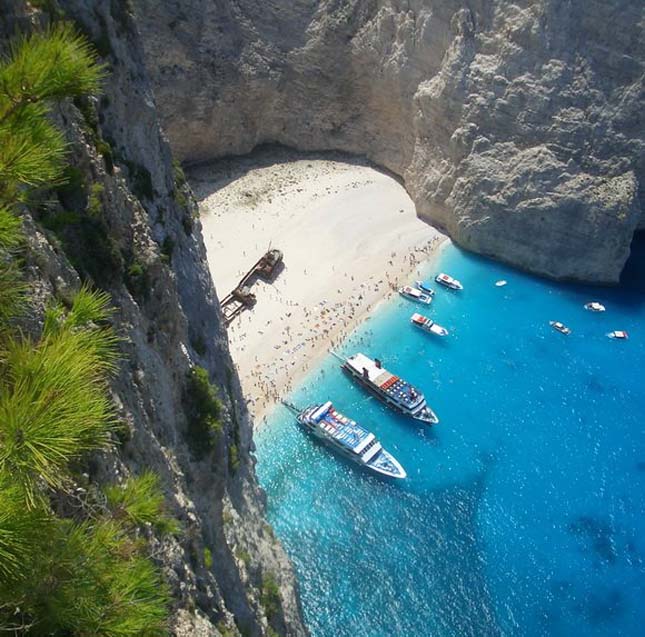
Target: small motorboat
{"x": 594, "y": 306}
{"x": 415, "y": 295}
{"x": 447, "y": 281}
{"x": 619, "y": 335}
{"x": 501, "y": 283}
{"x": 424, "y": 287}
{"x": 560, "y": 327}
{"x": 428, "y": 325}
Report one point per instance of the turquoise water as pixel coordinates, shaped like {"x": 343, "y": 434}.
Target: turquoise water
{"x": 523, "y": 512}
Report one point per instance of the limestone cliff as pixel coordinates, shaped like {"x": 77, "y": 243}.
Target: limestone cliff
{"x": 140, "y": 240}
{"x": 516, "y": 125}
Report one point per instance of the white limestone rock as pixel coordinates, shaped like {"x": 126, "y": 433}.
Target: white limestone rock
{"x": 413, "y": 85}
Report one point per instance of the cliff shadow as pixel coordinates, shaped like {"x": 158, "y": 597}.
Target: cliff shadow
{"x": 632, "y": 279}
{"x": 210, "y": 176}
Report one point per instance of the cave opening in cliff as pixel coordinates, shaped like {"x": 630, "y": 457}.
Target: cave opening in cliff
{"x": 349, "y": 235}
{"x": 633, "y": 275}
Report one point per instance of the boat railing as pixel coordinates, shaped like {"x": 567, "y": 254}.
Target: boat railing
{"x": 291, "y": 407}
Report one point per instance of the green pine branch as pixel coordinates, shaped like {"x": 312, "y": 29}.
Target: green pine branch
{"x": 60, "y": 576}
{"x": 140, "y": 501}
{"x": 54, "y": 405}
{"x": 40, "y": 69}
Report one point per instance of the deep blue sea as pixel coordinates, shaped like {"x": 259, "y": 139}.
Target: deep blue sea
{"x": 524, "y": 509}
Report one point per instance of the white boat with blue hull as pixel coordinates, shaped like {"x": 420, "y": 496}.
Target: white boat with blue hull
{"x": 349, "y": 439}
{"x": 395, "y": 392}
{"x": 424, "y": 287}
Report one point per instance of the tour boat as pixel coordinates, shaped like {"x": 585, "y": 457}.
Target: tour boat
{"x": 349, "y": 439}
{"x": 560, "y": 327}
{"x": 415, "y": 295}
{"x": 448, "y": 281}
{"x": 424, "y": 287}
{"x": 619, "y": 334}
{"x": 594, "y": 306}
{"x": 395, "y": 392}
{"x": 428, "y": 325}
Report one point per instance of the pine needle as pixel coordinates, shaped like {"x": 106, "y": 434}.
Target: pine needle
{"x": 140, "y": 501}
{"x": 54, "y": 405}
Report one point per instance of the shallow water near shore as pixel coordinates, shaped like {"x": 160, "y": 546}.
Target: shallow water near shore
{"x": 523, "y": 511}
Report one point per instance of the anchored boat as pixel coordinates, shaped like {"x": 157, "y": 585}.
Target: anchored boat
{"x": 620, "y": 335}
{"x": 448, "y": 282}
{"x": 594, "y": 306}
{"x": 428, "y": 325}
{"x": 424, "y": 287}
{"x": 560, "y": 327}
{"x": 415, "y": 295}
{"x": 349, "y": 439}
{"x": 388, "y": 388}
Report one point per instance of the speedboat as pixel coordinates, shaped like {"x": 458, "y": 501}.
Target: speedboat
{"x": 560, "y": 327}
{"x": 424, "y": 287}
{"x": 448, "y": 281}
{"x": 619, "y": 335}
{"x": 415, "y": 295}
{"x": 347, "y": 438}
{"x": 594, "y": 306}
{"x": 501, "y": 283}
{"x": 428, "y": 325}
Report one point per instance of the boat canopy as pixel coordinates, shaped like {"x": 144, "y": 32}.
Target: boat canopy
{"x": 419, "y": 319}
{"x": 366, "y": 441}
{"x": 360, "y": 362}
{"x": 321, "y": 411}
{"x": 344, "y": 430}
{"x": 413, "y": 291}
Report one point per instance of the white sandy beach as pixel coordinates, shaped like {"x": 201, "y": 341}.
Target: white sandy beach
{"x": 349, "y": 235}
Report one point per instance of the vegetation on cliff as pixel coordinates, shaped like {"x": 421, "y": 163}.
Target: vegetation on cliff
{"x": 73, "y": 559}
{"x": 203, "y": 410}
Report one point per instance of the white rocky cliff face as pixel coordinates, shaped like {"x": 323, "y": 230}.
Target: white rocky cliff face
{"x": 516, "y": 126}
{"x": 147, "y": 252}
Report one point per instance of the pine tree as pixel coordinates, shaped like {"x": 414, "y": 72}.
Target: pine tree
{"x": 60, "y": 576}
{"x": 40, "y": 69}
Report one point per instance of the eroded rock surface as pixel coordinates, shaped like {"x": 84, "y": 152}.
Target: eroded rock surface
{"x": 517, "y": 126}
{"x": 149, "y": 255}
